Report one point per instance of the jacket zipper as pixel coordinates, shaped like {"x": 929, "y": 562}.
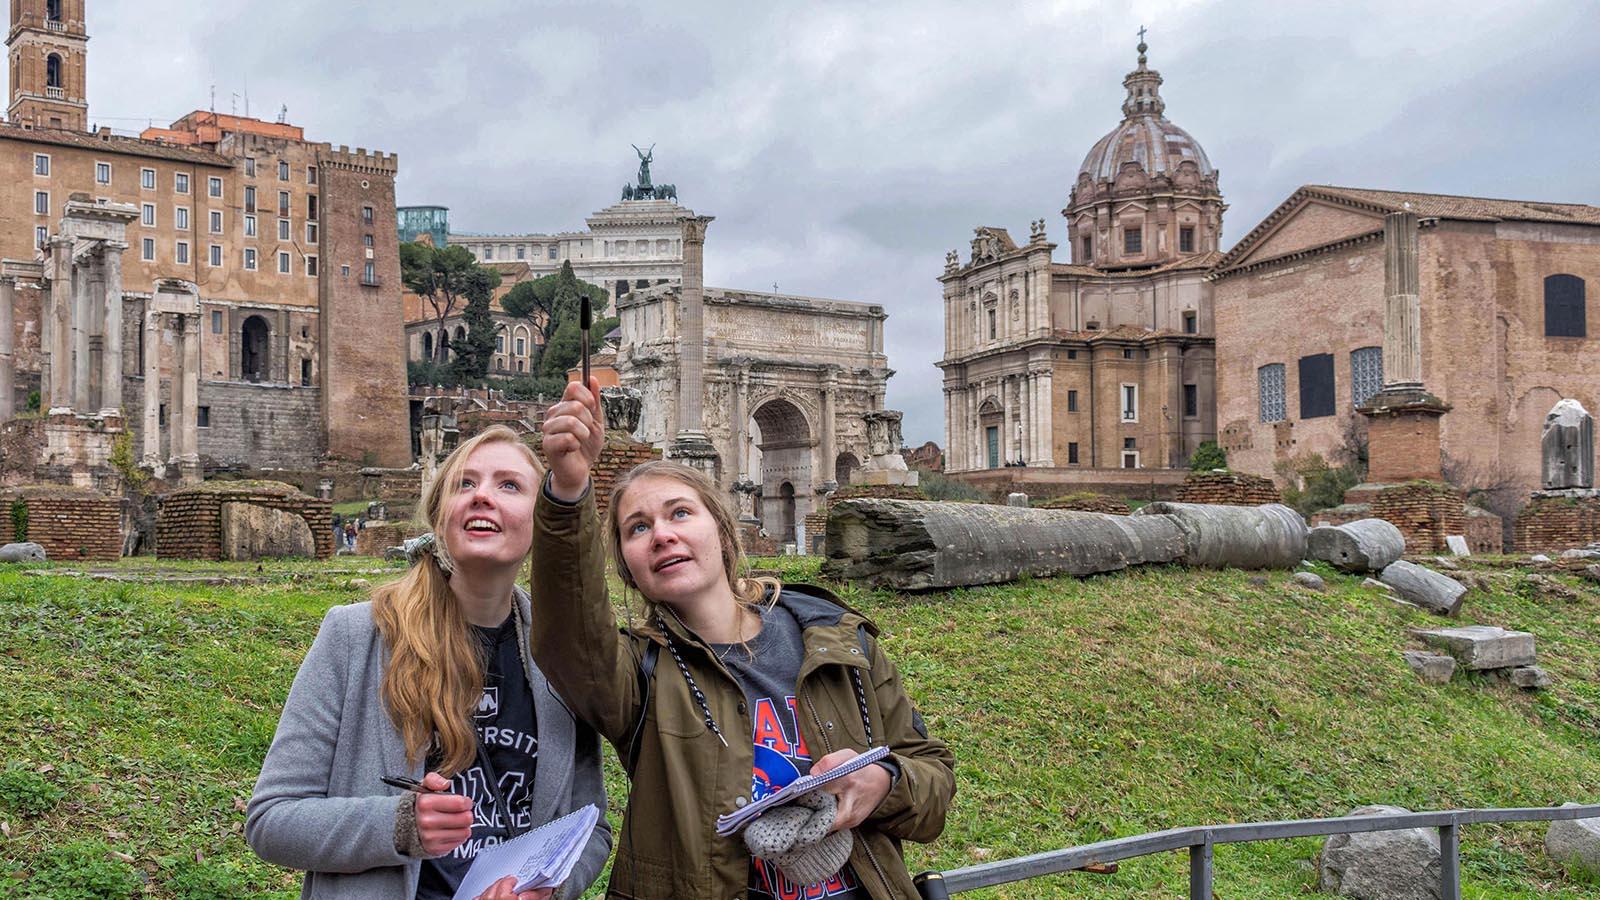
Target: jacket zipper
{"x": 865, "y": 845}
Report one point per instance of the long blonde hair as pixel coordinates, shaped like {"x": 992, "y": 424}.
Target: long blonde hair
{"x": 747, "y": 591}
{"x": 434, "y": 676}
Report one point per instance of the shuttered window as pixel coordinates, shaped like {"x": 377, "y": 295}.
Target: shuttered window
{"x": 1316, "y": 386}
{"x": 1563, "y": 307}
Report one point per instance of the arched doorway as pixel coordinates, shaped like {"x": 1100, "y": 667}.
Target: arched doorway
{"x": 253, "y": 343}
{"x": 990, "y": 419}
{"x": 781, "y": 463}
{"x": 52, "y": 71}
{"x": 843, "y": 465}
{"x": 427, "y": 346}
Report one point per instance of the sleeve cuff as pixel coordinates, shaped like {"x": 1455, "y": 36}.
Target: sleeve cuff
{"x": 407, "y": 840}
{"x": 550, "y": 495}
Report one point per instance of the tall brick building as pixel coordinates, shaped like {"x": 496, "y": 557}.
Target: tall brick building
{"x": 289, "y": 243}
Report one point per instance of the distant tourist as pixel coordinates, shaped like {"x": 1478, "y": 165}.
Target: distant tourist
{"x": 432, "y": 681}
{"x": 719, "y": 657}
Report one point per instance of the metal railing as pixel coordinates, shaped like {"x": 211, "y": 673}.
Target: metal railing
{"x": 1200, "y": 840}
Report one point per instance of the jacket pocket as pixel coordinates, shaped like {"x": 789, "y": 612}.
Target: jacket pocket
{"x": 677, "y": 714}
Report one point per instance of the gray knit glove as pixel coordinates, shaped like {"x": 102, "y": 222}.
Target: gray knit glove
{"x": 797, "y": 838}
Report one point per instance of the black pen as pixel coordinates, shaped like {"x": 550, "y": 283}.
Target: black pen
{"x": 585, "y": 322}
{"x": 404, "y": 784}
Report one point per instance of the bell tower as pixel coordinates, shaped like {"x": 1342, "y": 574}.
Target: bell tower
{"x": 47, "y": 50}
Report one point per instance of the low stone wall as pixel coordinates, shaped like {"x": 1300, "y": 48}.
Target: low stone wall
{"x": 756, "y": 545}
{"x": 21, "y": 446}
{"x": 1086, "y": 502}
{"x": 1134, "y": 484}
{"x": 189, "y": 522}
{"x": 1424, "y": 511}
{"x": 1485, "y": 531}
{"x": 374, "y": 539}
{"x": 1553, "y": 522}
{"x": 69, "y": 523}
{"x": 1228, "y": 489}
{"x": 1342, "y": 514}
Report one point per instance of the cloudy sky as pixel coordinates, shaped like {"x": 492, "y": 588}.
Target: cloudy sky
{"x": 844, "y": 147}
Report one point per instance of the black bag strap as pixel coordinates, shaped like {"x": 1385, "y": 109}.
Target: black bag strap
{"x": 647, "y": 673}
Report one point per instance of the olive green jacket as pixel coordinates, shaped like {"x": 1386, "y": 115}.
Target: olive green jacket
{"x": 684, "y": 777}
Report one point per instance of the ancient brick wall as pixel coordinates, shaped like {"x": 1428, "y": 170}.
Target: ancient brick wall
{"x": 189, "y": 522}
{"x": 1340, "y": 515}
{"x": 1424, "y": 511}
{"x": 1228, "y": 489}
{"x": 21, "y": 442}
{"x": 374, "y": 539}
{"x": 1550, "y": 524}
{"x": 1086, "y": 502}
{"x": 620, "y": 455}
{"x": 69, "y": 523}
{"x": 1485, "y": 531}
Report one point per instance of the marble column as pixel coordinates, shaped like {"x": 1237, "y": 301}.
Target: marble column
{"x": 1047, "y": 453}
{"x": 189, "y": 410}
{"x": 59, "y": 325}
{"x": 830, "y": 387}
{"x": 152, "y": 387}
{"x": 741, "y": 423}
{"x": 82, "y": 324}
{"x": 1402, "y": 308}
{"x": 692, "y": 333}
{"x": 111, "y": 341}
{"x": 8, "y": 299}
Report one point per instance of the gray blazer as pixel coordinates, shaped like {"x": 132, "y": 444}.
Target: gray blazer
{"x": 319, "y": 806}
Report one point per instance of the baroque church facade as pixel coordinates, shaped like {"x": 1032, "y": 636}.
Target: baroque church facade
{"x": 1080, "y": 371}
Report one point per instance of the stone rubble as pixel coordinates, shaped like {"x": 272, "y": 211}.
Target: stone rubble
{"x": 1382, "y": 865}
{"x": 1426, "y": 588}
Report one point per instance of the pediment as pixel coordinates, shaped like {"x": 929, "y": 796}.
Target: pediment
{"x": 1312, "y": 223}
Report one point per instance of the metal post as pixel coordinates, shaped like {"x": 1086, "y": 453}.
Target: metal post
{"x": 1449, "y": 862}
{"x": 1200, "y": 871}
{"x": 931, "y": 886}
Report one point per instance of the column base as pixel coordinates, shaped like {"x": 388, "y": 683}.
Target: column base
{"x": 694, "y": 449}
{"x": 1403, "y": 435}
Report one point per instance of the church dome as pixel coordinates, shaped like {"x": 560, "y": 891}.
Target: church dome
{"x": 1145, "y": 136}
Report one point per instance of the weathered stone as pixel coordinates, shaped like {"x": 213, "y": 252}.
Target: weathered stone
{"x": 621, "y": 407}
{"x": 1538, "y": 558}
{"x": 1446, "y": 563}
{"x": 1426, "y": 588}
{"x": 1382, "y": 865}
{"x": 1016, "y": 498}
{"x": 1271, "y": 536}
{"x": 1575, "y": 843}
{"x": 252, "y": 531}
{"x": 1457, "y": 544}
{"x": 1375, "y": 583}
{"x": 1567, "y": 445}
{"x": 1433, "y": 668}
{"x": 27, "y": 551}
{"x": 1480, "y": 647}
{"x": 1529, "y": 678}
{"x": 925, "y": 545}
{"x": 1592, "y": 572}
{"x": 1365, "y": 545}
{"x": 1311, "y": 580}
{"x": 1580, "y": 554}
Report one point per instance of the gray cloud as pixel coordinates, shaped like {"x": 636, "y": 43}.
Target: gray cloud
{"x": 844, "y": 147}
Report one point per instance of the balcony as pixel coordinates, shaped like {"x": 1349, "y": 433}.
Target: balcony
{"x": 371, "y": 281}
{"x": 55, "y": 93}
{"x": 51, "y": 25}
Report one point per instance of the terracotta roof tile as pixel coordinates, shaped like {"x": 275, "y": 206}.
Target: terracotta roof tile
{"x": 1447, "y": 206}
{"x": 113, "y": 144}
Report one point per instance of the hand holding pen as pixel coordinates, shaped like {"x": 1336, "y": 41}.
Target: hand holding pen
{"x": 444, "y": 820}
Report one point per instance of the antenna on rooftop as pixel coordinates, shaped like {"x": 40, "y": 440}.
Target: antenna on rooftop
{"x": 213, "y": 98}
{"x": 234, "y": 109}
{"x": 283, "y": 114}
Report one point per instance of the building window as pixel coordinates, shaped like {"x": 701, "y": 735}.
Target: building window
{"x": 366, "y": 215}
{"x": 311, "y": 207}
{"x": 1186, "y": 239}
{"x": 180, "y": 218}
{"x": 52, "y": 71}
{"x": 216, "y": 321}
{"x": 991, "y": 323}
{"x": 180, "y": 182}
{"x": 52, "y": 10}
{"x": 214, "y": 187}
{"x": 1270, "y": 392}
{"x": 147, "y": 214}
{"x": 102, "y": 174}
{"x": 1072, "y": 453}
{"x": 249, "y": 199}
{"x": 366, "y": 241}
{"x": 1129, "y": 443}
{"x": 202, "y": 418}
{"x": 1072, "y": 401}
{"x": 147, "y": 249}
{"x": 311, "y": 174}
{"x": 283, "y": 262}
{"x": 283, "y": 229}
{"x": 311, "y": 266}
{"x": 1072, "y": 354}
{"x": 1316, "y": 386}
{"x": 249, "y": 259}
{"x": 216, "y": 221}
{"x": 1366, "y": 373}
{"x": 283, "y": 203}
{"x": 283, "y": 170}
{"x": 1191, "y": 323}
{"x": 499, "y": 343}
{"x": 488, "y": 251}
{"x": 522, "y": 346}
{"x": 1191, "y": 401}
{"x": 181, "y": 253}
{"x": 311, "y": 232}
{"x": 41, "y": 203}
{"x": 344, "y": 271}
{"x": 522, "y": 251}
{"x": 991, "y": 442}
{"x": 249, "y": 226}
{"x": 1130, "y": 459}
{"x": 250, "y": 166}
{"x": 1088, "y": 248}
{"x": 1128, "y": 353}
{"x": 1564, "y": 307}
{"x": 369, "y": 274}
{"x": 215, "y": 258}
{"x": 552, "y": 251}
{"x": 1133, "y": 239}
{"x": 147, "y": 177}
{"x": 40, "y": 235}
{"x": 41, "y": 164}
{"x": 1130, "y": 403}
{"x": 305, "y": 373}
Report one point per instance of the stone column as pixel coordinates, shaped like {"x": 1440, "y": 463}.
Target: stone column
{"x": 83, "y": 301}
{"x": 1402, "y": 308}
{"x": 741, "y": 422}
{"x": 189, "y": 410}
{"x": 830, "y": 387}
{"x": 59, "y": 346}
{"x": 8, "y": 299}
{"x": 692, "y": 333}
{"x": 111, "y": 334}
{"x": 1047, "y": 452}
{"x": 152, "y": 386}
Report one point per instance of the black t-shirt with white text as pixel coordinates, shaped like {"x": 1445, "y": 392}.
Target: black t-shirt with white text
{"x": 508, "y": 733}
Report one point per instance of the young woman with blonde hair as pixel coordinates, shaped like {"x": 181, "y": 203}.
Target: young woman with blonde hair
{"x": 431, "y": 680}
{"x": 719, "y": 656}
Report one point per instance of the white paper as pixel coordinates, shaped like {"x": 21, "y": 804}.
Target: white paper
{"x": 805, "y": 784}
{"x": 541, "y": 858}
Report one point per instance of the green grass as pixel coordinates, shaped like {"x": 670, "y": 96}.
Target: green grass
{"x": 137, "y": 716}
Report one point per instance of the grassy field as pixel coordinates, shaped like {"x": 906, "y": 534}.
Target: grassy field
{"x": 137, "y": 715}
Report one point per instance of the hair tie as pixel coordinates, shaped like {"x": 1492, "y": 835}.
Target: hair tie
{"x": 430, "y": 546}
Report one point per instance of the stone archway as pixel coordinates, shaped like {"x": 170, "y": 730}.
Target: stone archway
{"x": 990, "y": 429}
{"x": 843, "y": 465}
{"x": 782, "y": 465}
{"x": 254, "y": 339}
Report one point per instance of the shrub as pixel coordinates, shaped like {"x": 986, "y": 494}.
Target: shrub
{"x": 1314, "y": 485}
{"x": 1209, "y": 455}
{"x": 19, "y": 521}
{"x": 939, "y": 487}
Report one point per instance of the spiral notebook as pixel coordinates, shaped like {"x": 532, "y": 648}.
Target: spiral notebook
{"x": 805, "y": 784}
{"x": 541, "y": 858}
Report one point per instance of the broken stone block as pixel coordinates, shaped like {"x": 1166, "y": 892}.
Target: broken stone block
{"x": 1382, "y": 865}
{"x": 1580, "y": 554}
{"x": 1529, "y": 678}
{"x": 1375, "y": 583}
{"x": 1433, "y": 668}
{"x": 1480, "y": 647}
{"x": 1538, "y": 558}
{"x": 252, "y": 531}
{"x": 1271, "y": 536}
{"x": 27, "y": 551}
{"x": 1457, "y": 544}
{"x": 1567, "y": 446}
{"x": 1426, "y": 588}
{"x": 1017, "y": 498}
{"x": 1311, "y": 580}
{"x": 1365, "y": 545}
{"x": 1575, "y": 843}
{"x": 1592, "y": 572}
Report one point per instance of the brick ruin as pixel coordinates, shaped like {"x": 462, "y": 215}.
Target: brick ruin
{"x": 1228, "y": 489}
{"x": 70, "y": 523}
{"x": 1552, "y": 522}
{"x": 1085, "y": 501}
{"x": 189, "y": 523}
